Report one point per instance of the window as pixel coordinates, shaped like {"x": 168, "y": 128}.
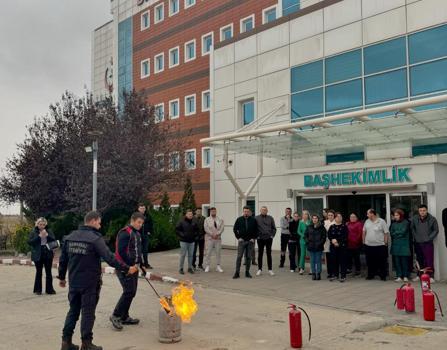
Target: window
{"x": 424, "y": 150}
{"x": 159, "y": 13}
{"x": 308, "y": 103}
{"x": 159, "y": 63}
{"x": 269, "y": 15}
{"x": 345, "y": 157}
{"x": 428, "y": 78}
{"x": 226, "y": 32}
{"x": 189, "y": 3}
{"x": 427, "y": 45}
{"x": 174, "y": 109}
{"x": 174, "y": 7}
{"x": 190, "y": 105}
{"x": 343, "y": 67}
{"x": 248, "y": 111}
{"x": 385, "y": 56}
{"x": 145, "y": 20}
{"x": 159, "y": 162}
{"x": 290, "y": 6}
{"x": 206, "y": 101}
{"x": 247, "y": 23}
{"x": 159, "y": 112}
{"x": 344, "y": 95}
{"x": 145, "y": 68}
{"x": 174, "y": 57}
{"x": 207, "y": 43}
{"x": 174, "y": 161}
{"x": 386, "y": 87}
{"x": 307, "y": 76}
{"x": 190, "y": 50}
{"x": 206, "y": 157}
{"x": 190, "y": 159}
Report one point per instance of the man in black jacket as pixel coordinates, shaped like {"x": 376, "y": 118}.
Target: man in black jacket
{"x": 187, "y": 232}
{"x": 128, "y": 251}
{"x": 245, "y": 229}
{"x": 145, "y": 232}
{"x": 82, "y": 251}
{"x": 199, "y": 245}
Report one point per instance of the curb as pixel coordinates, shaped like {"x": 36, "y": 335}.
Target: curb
{"x": 107, "y": 270}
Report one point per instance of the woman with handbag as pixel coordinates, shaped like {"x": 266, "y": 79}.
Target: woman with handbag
{"x": 42, "y": 255}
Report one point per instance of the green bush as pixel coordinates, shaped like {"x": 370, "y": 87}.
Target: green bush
{"x": 61, "y": 225}
{"x": 112, "y": 228}
{"x": 163, "y": 237}
{"x": 20, "y": 238}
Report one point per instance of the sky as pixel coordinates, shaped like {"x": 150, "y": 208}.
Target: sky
{"x": 45, "y": 49}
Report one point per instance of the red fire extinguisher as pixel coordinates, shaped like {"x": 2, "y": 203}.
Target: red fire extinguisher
{"x": 409, "y": 298}
{"x": 400, "y": 297}
{"x": 425, "y": 280}
{"x": 296, "y": 332}
{"x": 428, "y": 304}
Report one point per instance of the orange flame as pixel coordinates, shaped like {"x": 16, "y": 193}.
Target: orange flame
{"x": 165, "y": 305}
{"x": 184, "y": 303}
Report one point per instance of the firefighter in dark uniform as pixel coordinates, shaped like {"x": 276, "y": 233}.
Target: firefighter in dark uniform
{"x": 82, "y": 251}
{"x": 145, "y": 232}
{"x": 128, "y": 251}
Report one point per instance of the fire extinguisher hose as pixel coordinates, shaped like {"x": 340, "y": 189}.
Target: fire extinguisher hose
{"x": 439, "y": 303}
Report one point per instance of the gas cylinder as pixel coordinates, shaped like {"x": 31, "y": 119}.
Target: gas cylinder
{"x": 296, "y": 332}
{"x": 409, "y": 298}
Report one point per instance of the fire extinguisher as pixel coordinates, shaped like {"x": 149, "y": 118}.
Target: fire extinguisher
{"x": 400, "y": 298}
{"x": 425, "y": 280}
{"x": 428, "y": 304}
{"x": 409, "y": 301}
{"x": 296, "y": 332}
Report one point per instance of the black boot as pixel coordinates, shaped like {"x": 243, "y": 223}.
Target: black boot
{"x": 318, "y": 276}
{"x": 247, "y": 274}
{"x": 236, "y": 275}
{"x": 281, "y": 263}
{"x": 68, "y": 345}
{"x": 314, "y": 277}
{"x": 88, "y": 345}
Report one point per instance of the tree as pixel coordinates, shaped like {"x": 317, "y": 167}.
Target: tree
{"x": 188, "y": 200}
{"x": 51, "y": 173}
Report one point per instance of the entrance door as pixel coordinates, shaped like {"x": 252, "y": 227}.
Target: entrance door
{"x": 359, "y": 204}
{"x": 409, "y": 203}
{"x": 313, "y": 205}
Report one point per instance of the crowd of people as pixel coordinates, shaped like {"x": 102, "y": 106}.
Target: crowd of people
{"x": 328, "y": 237}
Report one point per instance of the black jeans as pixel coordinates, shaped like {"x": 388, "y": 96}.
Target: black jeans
{"x": 129, "y": 284}
{"x": 354, "y": 256}
{"x": 201, "y": 245}
{"x": 284, "y": 243}
{"x": 145, "y": 249}
{"x": 339, "y": 259}
{"x": 82, "y": 301}
{"x": 267, "y": 243}
{"x": 46, "y": 261}
{"x": 294, "y": 254}
{"x": 376, "y": 259}
{"x": 330, "y": 264}
{"x": 244, "y": 248}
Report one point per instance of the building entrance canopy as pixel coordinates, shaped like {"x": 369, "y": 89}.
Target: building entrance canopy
{"x": 421, "y": 121}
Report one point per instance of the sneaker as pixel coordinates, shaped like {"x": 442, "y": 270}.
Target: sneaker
{"x": 148, "y": 266}
{"x": 271, "y": 273}
{"x": 207, "y": 269}
{"x": 259, "y": 273}
{"x": 200, "y": 268}
{"x": 405, "y": 279}
{"x": 116, "y": 323}
{"x": 342, "y": 280}
{"x": 218, "y": 269}
{"x": 181, "y": 272}
{"x": 301, "y": 272}
{"x": 191, "y": 271}
{"x": 432, "y": 280}
{"x": 247, "y": 274}
{"x": 236, "y": 275}
{"x": 333, "y": 278}
{"x": 398, "y": 279}
{"x": 130, "y": 321}
{"x": 416, "y": 279}
{"x": 292, "y": 271}
{"x": 88, "y": 345}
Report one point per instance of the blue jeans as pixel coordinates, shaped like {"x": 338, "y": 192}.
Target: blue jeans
{"x": 186, "y": 248}
{"x": 315, "y": 261}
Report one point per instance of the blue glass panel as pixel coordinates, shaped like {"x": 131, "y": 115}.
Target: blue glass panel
{"x": 388, "y": 55}
{"x": 386, "y": 87}
{"x": 227, "y": 33}
{"x": 124, "y": 58}
{"x": 290, "y": 6}
{"x": 428, "y": 77}
{"x": 344, "y": 95}
{"x": 270, "y": 15}
{"x": 307, "y": 76}
{"x": 307, "y": 103}
{"x": 248, "y": 25}
{"x": 248, "y": 112}
{"x": 346, "y": 157}
{"x": 424, "y": 150}
{"x": 344, "y": 67}
{"x": 428, "y": 44}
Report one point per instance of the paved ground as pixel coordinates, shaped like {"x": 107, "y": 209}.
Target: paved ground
{"x": 233, "y": 314}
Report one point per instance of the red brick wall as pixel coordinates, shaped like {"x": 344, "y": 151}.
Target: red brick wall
{"x": 204, "y": 17}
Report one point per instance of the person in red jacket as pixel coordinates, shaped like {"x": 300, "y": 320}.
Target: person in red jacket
{"x": 355, "y": 229}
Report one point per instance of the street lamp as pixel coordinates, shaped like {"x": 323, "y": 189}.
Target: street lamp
{"x": 94, "y": 150}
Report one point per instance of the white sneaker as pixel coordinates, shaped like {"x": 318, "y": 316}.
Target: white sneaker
{"x": 432, "y": 280}
{"x": 207, "y": 269}
{"x": 271, "y": 273}
{"x": 292, "y": 271}
{"x": 415, "y": 279}
{"x": 219, "y": 269}
{"x": 398, "y": 279}
{"x": 405, "y": 279}
{"x": 259, "y": 273}
{"x": 301, "y": 271}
